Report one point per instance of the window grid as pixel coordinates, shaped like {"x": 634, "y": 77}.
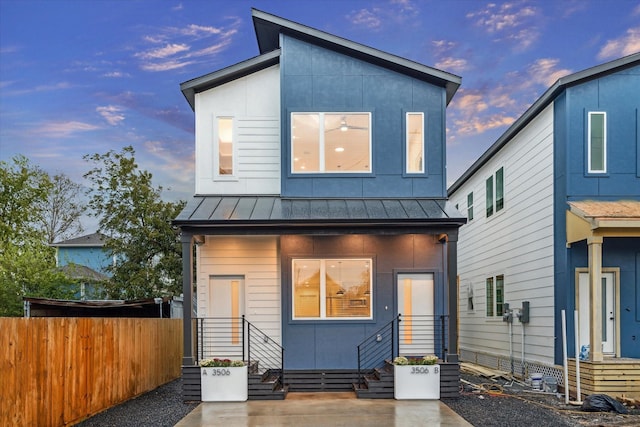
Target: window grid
{"x": 470, "y": 206}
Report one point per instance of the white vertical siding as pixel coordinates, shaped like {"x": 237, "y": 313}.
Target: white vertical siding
{"x": 516, "y": 242}
{"x": 254, "y": 103}
{"x": 257, "y": 260}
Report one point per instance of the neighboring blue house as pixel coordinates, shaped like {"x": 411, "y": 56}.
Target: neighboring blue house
{"x": 84, "y": 258}
{"x": 554, "y": 220}
{"x": 321, "y": 212}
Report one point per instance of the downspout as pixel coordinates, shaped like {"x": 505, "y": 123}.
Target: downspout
{"x": 187, "y": 290}
{"x": 452, "y": 275}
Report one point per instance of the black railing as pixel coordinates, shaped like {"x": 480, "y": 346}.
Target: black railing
{"x": 411, "y": 335}
{"x": 374, "y": 350}
{"x": 420, "y": 335}
{"x": 237, "y": 338}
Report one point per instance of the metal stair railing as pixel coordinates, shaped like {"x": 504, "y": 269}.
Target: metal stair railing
{"x": 419, "y": 335}
{"x": 415, "y": 335}
{"x": 374, "y": 350}
{"x": 237, "y": 338}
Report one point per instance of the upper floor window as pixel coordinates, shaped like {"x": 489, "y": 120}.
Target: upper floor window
{"x": 494, "y": 292}
{"x": 331, "y": 289}
{"x": 495, "y": 204}
{"x": 331, "y": 142}
{"x": 225, "y": 146}
{"x": 597, "y": 143}
{"x": 415, "y": 142}
{"x": 470, "y": 206}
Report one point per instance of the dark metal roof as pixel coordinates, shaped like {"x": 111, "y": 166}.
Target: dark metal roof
{"x": 268, "y": 28}
{"x": 90, "y": 240}
{"x": 541, "y": 103}
{"x": 276, "y": 212}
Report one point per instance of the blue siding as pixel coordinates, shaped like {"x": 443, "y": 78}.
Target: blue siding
{"x": 618, "y": 95}
{"x": 318, "y": 79}
{"x": 333, "y": 344}
{"x": 93, "y": 257}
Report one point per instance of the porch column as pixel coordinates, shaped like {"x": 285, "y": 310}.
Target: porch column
{"x": 595, "y": 298}
{"x": 452, "y": 275}
{"x": 187, "y": 290}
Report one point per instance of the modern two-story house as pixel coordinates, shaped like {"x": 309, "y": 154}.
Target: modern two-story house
{"x": 320, "y": 216}
{"x": 553, "y": 212}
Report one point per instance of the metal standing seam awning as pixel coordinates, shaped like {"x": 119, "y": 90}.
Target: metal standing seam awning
{"x": 593, "y": 221}
{"x": 251, "y": 214}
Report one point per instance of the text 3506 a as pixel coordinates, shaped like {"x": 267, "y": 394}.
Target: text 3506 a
{"x": 217, "y": 372}
{"x": 424, "y": 369}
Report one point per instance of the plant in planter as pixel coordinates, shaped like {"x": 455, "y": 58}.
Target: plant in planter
{"x": 223, "y": 380}
{"x": 416, "y": 377}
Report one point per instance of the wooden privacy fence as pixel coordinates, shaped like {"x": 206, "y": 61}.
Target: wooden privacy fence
{"x": 58, "y": 371}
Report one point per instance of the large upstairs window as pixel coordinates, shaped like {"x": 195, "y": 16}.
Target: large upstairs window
{"x": 597, "y": 143}
{"x": 330, "y": 143}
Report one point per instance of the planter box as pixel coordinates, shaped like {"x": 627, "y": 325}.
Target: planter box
{"x": 416, "y": 382}
{"x": 224, "y": 384}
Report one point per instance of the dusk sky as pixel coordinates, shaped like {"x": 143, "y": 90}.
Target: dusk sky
{"x": 83, "y": 77}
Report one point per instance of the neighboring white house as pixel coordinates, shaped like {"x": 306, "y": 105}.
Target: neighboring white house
{"x": 553, "y": 212}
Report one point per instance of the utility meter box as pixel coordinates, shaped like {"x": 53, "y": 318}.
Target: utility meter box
{"x": 524, "y": 312}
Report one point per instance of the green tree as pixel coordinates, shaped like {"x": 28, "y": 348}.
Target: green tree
{"x": 138, "y": 227}
{"x": 27, "y": 263}
{"x": 61, "y": 209}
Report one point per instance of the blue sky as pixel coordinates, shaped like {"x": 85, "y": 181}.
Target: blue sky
{"x": 83, "y": 77}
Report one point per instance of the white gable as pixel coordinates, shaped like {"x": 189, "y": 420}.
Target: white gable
{"x": 254, "y": 104}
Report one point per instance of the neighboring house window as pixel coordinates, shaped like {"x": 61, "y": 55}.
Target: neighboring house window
{"x": 332, "y": 289}
{"x": 225, "y": 146}
{"x": 470, "y": 206}
{"x": 415, "y": 142}
{"x": 597, "y": 149}
{"x": 495, "y": 204}
{"x": 331, "y": 142}
{"x": 494, "y": 290}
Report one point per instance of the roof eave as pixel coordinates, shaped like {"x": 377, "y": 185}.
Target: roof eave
{"x": 268, "y": 27}
{"x": 233, "y": 72}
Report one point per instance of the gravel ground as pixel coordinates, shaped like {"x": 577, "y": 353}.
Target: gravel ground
{"x": 162, "y": 407}
{"x": 512, "y": 405}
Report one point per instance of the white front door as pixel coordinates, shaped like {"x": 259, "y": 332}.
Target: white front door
{"x": 415, "y": 304}
{"x": 608, "y": 311}
{"x": 226, "y": 306}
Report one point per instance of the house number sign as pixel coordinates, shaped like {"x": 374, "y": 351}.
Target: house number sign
{"x": 217, "y": 372}
{"x": 424, "y": 370}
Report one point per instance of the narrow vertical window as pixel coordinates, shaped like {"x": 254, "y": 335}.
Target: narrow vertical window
{"x": 597, "y": 149}
{"x": 470, "y": 206}
{"x": 225, "y": 146}
{"x": 415, "y": 142}
{"x": 489, "y": 296}
{"x": 499, "y": 295}
{"x": 499, "y": 189}
{"x": 489, "y": 196}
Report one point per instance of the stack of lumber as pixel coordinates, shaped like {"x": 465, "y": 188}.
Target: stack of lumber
{"x": 483, "y": 371}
